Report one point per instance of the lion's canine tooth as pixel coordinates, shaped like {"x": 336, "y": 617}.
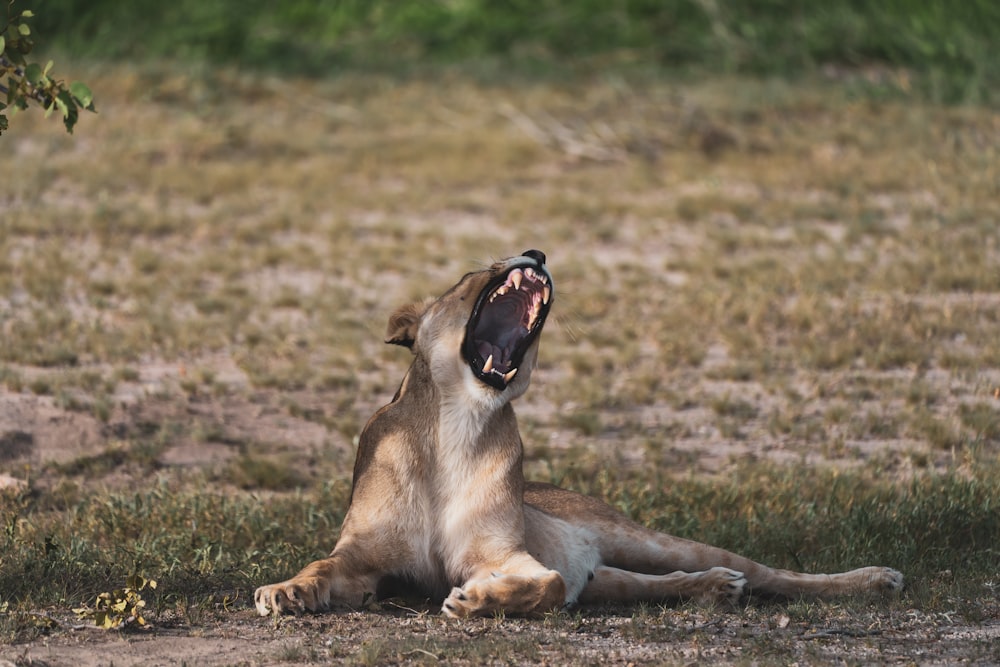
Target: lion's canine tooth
{"x": 546, "y": 293}
{"x": 510, "y": 376}
{"x": 515, "y": 277}
{"x": 488, "y": 366}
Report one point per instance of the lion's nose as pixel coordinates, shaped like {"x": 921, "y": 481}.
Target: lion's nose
{"x": 536, "y": 255}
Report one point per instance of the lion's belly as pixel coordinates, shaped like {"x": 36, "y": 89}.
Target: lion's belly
{"x": 559, "y": 545}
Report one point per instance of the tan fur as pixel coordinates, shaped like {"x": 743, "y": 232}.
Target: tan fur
{"x": 440, "y": 502}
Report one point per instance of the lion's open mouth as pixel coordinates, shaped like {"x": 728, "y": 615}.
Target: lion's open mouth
{"x": 506, "y": 320}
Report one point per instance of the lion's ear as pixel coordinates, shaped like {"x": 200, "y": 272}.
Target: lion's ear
{"x": 403, "y": 323}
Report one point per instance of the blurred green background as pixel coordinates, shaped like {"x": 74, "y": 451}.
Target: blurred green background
{"x": 944, "y": 49}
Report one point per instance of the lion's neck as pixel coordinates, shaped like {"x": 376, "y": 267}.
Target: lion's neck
{"x": 459, "y": 429}
{"x": 467, "y": 414}
{"x": 466, "y": 410}
{"x": 478, "y": 460}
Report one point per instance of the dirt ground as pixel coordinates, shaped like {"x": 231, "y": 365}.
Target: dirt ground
{"x": 605, "y": 637}
{"x": 37, "y": 432}
{"x": 705, "y": 418}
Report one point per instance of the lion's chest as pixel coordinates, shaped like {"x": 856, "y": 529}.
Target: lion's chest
{"x": 477, "y": 510}
{"x": 440, "y": 501}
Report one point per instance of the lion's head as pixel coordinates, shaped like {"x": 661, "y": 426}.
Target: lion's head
{"x": 485, "y": 329}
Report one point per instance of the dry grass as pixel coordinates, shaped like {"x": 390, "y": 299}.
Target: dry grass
{"x": 193, "y": 290}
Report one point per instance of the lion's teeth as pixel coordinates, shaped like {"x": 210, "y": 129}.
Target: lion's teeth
{"x": 546, "y": 293}
{"x": 530, "y": 272}
{"x": 515, "y": 278}
{"x": 510, "y": 376}
{"x": 488, "y": 366}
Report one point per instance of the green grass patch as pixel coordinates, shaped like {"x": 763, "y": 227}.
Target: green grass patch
{"x": 203, "y": 545}
{"x": 194, "y": 543}
{"x": 938, "y": 49}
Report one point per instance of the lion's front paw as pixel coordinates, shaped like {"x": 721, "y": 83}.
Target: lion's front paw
{"x": 458, "y": 604}
{"x": 511, "y": 593}
{"x": 722, "y": 585}
{"x": 289, "y": 597}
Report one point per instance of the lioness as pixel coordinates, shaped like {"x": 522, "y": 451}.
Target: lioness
{"x": 439, "y": 499}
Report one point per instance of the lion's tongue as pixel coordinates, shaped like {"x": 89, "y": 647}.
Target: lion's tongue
{"x": 502, "y": 348}
{"x": 495, "y": 333}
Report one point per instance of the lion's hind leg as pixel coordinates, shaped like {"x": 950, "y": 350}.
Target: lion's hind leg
{"x": 632, "y": 549}
{"x": 635, "y": 548}
{"x": 873, "y": 579}
{"x": 610, "y": 584}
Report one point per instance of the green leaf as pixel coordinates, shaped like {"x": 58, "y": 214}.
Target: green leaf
{"x": 24, "y": 29}
{"x": 33, "y": 73}
{"x": 82, "y": 93}
{"x": 70, "y": 113}
{"x": 63, "y": 107}
{"x": 14, "y": 55}
{"x": 3, "y": 44}
{"x": 27, "y": 14}
{"x": 25, "y": 45}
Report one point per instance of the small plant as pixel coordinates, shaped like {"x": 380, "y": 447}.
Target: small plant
{"x": 119, "y": 608}
{"x": 23, "y": 82}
